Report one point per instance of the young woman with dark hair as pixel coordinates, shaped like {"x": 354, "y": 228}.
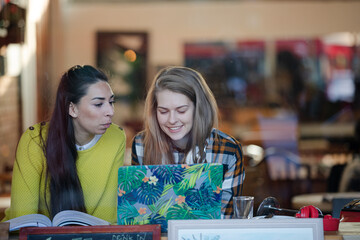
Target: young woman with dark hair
{"x": 71, "y": 163}
{"x": 180, "y": 119}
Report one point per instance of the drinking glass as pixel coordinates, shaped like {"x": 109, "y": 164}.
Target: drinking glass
{"x": 243, "y": 207}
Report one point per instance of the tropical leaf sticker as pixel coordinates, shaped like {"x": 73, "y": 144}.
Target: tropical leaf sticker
{"x": 127, "y": 222}
{"x": 168, "y": 174}
{"x": 202, "y": 198}
{"x": 142, "y": 221}
{"x": 181, "y": 211}
{"x": 182, "y": 187}
{"x": 167, "y": 188}
{"x": 142, "y": 218}
{"x": 158, "y": 219}
{"x": 211, "y": 213}
{"x": 195, "y": 168}
{"x": 161, "y": 206}
{"x": 216, "y": 176}
{"x": 149, "y": 192}
{"x": 130, "y": 178}
{"x": 126, "y": 212}
{"x": 130, "y": 197}
{"x": 191, "y": 175}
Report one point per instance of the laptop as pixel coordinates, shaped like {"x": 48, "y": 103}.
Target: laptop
{"x": 154, "y": 194}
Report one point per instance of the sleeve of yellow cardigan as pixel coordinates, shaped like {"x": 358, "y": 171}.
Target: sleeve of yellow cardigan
{"x": 25, "y": 186}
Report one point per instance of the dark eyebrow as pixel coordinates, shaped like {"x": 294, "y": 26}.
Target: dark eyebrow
{"x": 102, "y": 98}
{"x": 98, "y": 98}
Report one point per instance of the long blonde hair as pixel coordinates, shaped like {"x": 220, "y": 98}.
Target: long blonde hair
{"x": 186, "y": 81}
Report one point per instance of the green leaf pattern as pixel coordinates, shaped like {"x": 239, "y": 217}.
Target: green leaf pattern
{"x": 153, "y": 194}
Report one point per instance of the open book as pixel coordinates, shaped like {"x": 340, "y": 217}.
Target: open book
{"x": 63, "y": 218}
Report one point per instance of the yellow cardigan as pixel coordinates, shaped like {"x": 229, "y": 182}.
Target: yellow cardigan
{"x": 97, "y": 169}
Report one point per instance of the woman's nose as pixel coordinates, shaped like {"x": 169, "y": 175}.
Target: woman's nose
{"x": 172, "y": 118}
{"x": 110, "y": 110}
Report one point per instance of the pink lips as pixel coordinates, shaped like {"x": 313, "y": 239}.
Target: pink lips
{"x": 178, "y": 129}
{"x": 107, "y": 125}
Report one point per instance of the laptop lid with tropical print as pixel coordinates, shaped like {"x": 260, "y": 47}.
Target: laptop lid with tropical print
{"x": 153, "y": 194}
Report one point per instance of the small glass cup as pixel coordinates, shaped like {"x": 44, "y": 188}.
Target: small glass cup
{"x": 243, "y": 207}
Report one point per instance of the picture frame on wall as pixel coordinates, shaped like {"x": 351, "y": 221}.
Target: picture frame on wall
{"x": 225, "y": 229}
{"x": 123, "y": 56}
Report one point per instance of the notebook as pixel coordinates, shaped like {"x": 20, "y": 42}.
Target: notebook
{"x": 154, "y": 194}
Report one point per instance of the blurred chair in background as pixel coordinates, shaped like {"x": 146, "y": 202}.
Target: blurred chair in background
{"x": 288, "y": 175}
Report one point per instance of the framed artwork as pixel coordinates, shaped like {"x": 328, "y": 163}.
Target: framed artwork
{"x": 248, "y": 229}
{"x": 123, "y": 56}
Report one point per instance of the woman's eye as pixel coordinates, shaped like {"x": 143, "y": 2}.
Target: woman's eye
{"x": 98, "y": 105}
{"x": 112, "y": 102}
{"x": 181, "y": 111}
{"x": 162, "y": 112}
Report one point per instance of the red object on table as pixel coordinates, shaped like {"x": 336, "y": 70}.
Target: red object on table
{"x": 350, "y": 216}
{"x": 330, "y": 223}
{"x": 351, "y": 212}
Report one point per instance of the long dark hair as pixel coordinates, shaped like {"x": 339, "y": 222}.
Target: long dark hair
{"x": 60, "y": 149}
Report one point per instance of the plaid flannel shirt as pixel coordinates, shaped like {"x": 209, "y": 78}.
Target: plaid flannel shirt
{"x": 220, "y": 148}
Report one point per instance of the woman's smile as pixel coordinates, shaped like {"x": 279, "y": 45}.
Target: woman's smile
{"x": 175, "y": 113}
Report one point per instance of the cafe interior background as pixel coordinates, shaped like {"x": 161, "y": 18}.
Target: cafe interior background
{"x": 285, "y": 73}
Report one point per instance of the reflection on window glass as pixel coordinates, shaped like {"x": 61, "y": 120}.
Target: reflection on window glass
{"x": 314, "y": 79}
{"x": 234, "y": 71}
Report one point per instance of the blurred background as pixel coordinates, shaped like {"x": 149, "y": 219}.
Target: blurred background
{"x": 285, "y": 73}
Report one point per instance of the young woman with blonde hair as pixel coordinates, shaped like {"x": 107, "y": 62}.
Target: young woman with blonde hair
{"x": 181, "y": 117}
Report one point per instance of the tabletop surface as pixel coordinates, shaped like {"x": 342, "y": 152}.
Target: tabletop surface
{"x": 321, "y": 200}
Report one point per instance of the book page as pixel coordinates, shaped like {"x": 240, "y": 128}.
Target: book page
{"x": 71, "y": 217}
{"x": 31, "y": 220}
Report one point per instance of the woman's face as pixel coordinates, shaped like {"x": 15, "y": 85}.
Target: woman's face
{"x": 93, "y": 113}
{"x": 175, "y": 113}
